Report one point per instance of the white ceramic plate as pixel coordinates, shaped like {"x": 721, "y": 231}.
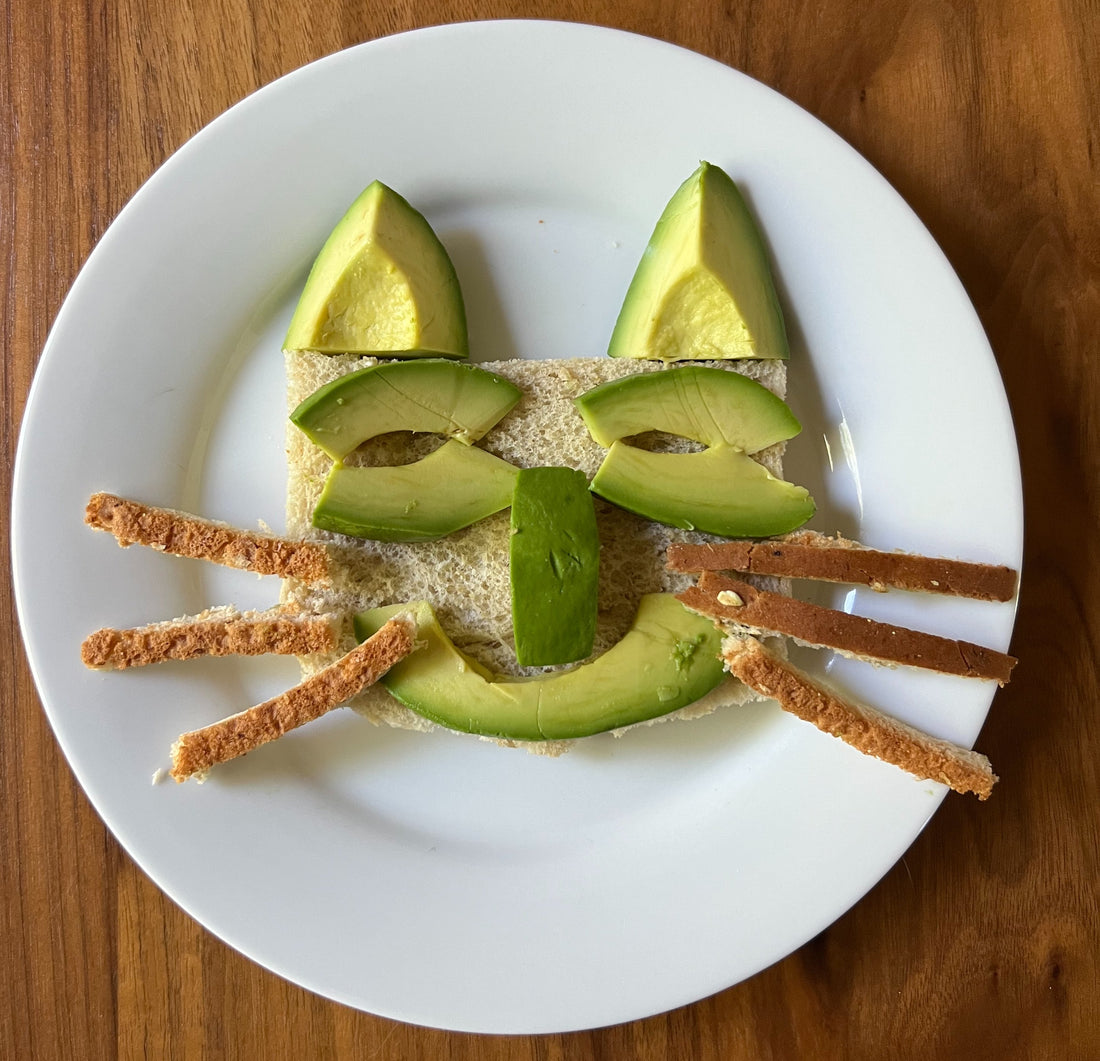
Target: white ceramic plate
{"x": 438, "y": 879}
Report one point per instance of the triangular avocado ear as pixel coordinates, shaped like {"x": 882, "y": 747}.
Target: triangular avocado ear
{"x": 382, "y": 284}
{"x": 704, "y": 288}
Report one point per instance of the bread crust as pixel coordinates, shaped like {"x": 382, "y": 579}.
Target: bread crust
{"x": 807, "y": 554}
{"x": 217, "y": 632}
{"x": 756, "y": 610}
{"x": 194, "y": 753}
{"x": 182, "y": 534}
{"x": 863, "y": 728}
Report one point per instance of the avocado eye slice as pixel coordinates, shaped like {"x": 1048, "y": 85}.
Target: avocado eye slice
{"x": 447, "y": 490}
{"x": 718, "y": 490}
{"x": 382, "y": 284}
{"x": 708, "y": 405}
{"x": 704, "y": 289}
{"x": 443, "y": 397}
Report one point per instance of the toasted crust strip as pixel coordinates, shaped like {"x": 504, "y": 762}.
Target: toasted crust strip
{"x": 181, "y": 534}
{"x": 853, "y": 634}
{"x": 218, "y": 632}
{"x": 808, "y": 554}
{"x": 864, "y": 728}
{"x": 196, "y": 752}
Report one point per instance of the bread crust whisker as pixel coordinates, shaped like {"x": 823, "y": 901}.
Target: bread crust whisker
{"x": 215, "y": 632}
{"x": 810, "y": 555}
{"x": 194, "y": 753}
{"x": 738, "y": 605}
{"x": 864, "y": 728}
{"x": 182, "y": 534}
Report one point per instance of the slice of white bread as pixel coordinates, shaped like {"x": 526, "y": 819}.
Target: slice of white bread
{"x": 739, "y": 606}
{"x": 465, "y": 575}
{"x": 194, "y": 753}
{"x": 808, "y": 554}
{"x": 223, "y": 631}
{"x": 864, "y": 728}
{"x": 182, "y": 534}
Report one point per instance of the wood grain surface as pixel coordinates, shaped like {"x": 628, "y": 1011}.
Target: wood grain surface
{"x": 984, "y": 941}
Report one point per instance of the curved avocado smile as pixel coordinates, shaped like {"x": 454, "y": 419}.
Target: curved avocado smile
{"x": 668, "y": 659}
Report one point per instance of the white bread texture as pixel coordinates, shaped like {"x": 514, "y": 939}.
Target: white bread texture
{"x": 465, "y": 575}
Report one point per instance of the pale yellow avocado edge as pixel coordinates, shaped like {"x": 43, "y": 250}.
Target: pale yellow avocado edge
{"x": 396, "y": 249}
{"x": 704, "y": 289}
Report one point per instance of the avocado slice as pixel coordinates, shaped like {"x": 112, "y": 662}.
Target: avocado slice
{"x": 708, "y": 405}
{"x": 665, "y": 661}
{"x": 703, "y": 289}
{"x": 446, "y": 686}
{"x": 554, "y": 553}
{"x": 382, "y": 284}
{"x": 719, "y": 490}
{"x": 668, "y": 659}
{"x": 446, "y": 397}
{"x": 447, "y": 490}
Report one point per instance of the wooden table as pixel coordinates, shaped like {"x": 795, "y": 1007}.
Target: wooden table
{"x": 983, "y": 941}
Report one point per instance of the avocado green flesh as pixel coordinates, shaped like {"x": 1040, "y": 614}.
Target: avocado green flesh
{"x": 709, "y": 405}
{"x": 444, "y": 397}
{"x": 703, "y": 289}
{"x": 667, "y": 660}
{"x": 554, "y": 554}
{"x": 718, "y": 490}
{"x": 381, "y": 284}
{"x": 451, "y": 488}
{"x": 446, "y": 686}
